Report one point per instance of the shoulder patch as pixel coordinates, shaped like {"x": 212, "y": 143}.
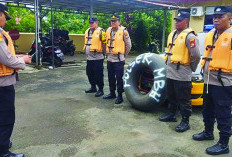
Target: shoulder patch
{"x": 1, "y": 38}
{"x": 126, "y": 34}
{"x": 192, "y": 43}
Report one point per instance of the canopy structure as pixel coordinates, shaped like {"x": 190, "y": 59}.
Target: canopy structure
{"x": 98, "y": 6}
{"x": 108, "y": 6}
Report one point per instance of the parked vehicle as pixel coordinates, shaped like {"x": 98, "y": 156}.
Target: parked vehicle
{"x": 46, "y": 52}
{"x": 62, "y": 40}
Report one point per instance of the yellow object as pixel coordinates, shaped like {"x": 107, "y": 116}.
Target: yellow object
{"x": 197, "y": 102}
{"x": 4, "y": 70}
{"x": 96, "y": 40}
{"x": 197, "y": 89}
{"x": 1, "y": 38}
{"x": 180, "y": 52}
{"x": 221, "y": 54}
{"x": 103, "y": 37}
{"x": 118, "y": 44}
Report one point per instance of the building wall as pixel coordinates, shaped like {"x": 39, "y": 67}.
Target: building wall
{"x": 197, "y": 23}
{"x": 23, "y": 44}
{"x": 213, "y": 3}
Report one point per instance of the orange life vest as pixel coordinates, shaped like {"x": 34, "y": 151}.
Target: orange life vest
{"x": 118, "y": 44}
{"x": 180, "y": 53}
{"x": 4, "y": 70}
{"x": 96, "y": 43}
{"x": 221, "y": 51}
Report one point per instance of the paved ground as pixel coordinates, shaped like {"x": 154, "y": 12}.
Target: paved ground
{"x": 55, "y": 118}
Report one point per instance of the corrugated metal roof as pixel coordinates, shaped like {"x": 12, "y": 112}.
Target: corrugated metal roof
{"x": 108, "y": 6}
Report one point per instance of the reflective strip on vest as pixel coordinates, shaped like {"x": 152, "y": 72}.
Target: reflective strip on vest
{"x": 222, "y": 53}
{"x": 96, "y": 43}
{"x": 118, "y": 44}
{"x": 4, "y": 70}
{"x": 180, "y": 53}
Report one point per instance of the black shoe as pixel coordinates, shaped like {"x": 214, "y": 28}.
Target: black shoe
{"x": 169, "y": 117}
{"x": 91, "y": 90}
{"x": 218, "y": 149}
{"x": 183, "y": 126}
{"x": 99, "y": 93}
{"x": 119, "y": 100}
{"x": 109, "y": 96}
{"x": 203, "y": 136}
{"x": 10, "y": 144}
{"x": 9, "y": 154}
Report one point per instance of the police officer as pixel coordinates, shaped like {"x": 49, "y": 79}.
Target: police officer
{"x": 95, "y": 49}
{"x": 9, "y": 64}
{"x": 118, "y": 45}
{"x": 182, "y": 59}
{"x": 217, "y": 66}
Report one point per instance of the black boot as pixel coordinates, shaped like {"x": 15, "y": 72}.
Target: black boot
{"x": 111, "y": 95}
{"x": 169, "y": 117}
{"x": 221, "y": 147}
{"x": 91, "y": 90}
{"x": 119, "y": 100}
{"x": 184, "y": 125}
{"x": 203, "y": 136}
{"x": 10, "y": 144}
{"x": 207, "y": 134}
{"x": 9, "y": 154}
{"x": 99, "y": 93}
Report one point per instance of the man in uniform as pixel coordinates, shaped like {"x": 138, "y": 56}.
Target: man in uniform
{"x": 217, "y": 66}
{"x": 95, "y": 49}
{"x": 118, "y": 45}
{"x": 182, "y": 59}
{"x": 9, "y": 64}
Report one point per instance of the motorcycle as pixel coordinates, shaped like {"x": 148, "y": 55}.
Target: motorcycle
{"x": 46, "y": 52}
{"x": 61, "y": 39}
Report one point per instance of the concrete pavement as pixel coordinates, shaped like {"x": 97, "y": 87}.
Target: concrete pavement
{"x": 56, "y": 118}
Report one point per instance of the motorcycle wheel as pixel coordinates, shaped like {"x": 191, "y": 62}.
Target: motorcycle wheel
{"x": 71, "y": 53}
{"x": 58, "y": 62}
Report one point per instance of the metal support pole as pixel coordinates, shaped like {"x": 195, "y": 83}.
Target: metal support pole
{"x": 40, "y": 17}
{"x": 91, "y": 8}
{"x": 37, "y": 40}
{"x": 164, "y": 29}
{"x": 52, "y": 35}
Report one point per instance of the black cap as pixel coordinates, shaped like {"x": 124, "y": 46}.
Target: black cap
{"x": 220, "y": 10}
{"x": 115, "y": 17}
{"x": 4, "y": 9}
{"x": 93, "y": 19}
{"x": 182, "y": 15}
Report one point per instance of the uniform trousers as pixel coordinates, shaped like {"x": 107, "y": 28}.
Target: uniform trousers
{"x": 115, "y": 74}
{"x": 7, "y": 116}
{"x": 217, "y": 106}
{"x": 94, "y": 71}
{"x": 179, "y": 96}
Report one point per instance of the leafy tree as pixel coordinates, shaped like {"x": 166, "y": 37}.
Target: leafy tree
{"x": 144, "y": 26}
{"x": 152, "y": 27}
{"x": 141, "y": 36}
{"x": 27, "y": 22}
{"x": 74, "y": 23}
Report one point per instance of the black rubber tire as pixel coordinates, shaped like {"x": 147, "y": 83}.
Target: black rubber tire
{"x": 72, "y": 50}
{"x": 71, "y": 53}
{"x": 157, "y": 95}
{"x": 57, "y": 62}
